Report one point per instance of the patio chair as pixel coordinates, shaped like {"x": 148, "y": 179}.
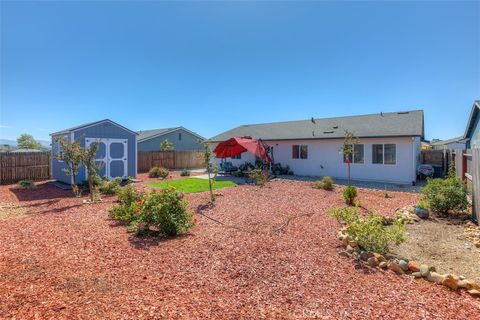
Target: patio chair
{"x": 227, "y": 167}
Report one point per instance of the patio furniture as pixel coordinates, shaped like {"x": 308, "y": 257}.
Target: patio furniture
{"x": 227, "y": 167}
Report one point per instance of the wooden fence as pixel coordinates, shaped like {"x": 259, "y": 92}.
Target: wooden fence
{"x": 467, "y": 167}
{"x": 16, "y": 166}
{"x": 169, "y": 159}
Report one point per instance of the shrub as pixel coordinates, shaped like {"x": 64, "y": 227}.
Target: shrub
{"x": 259, "y": 176}
{"x": 422, "y": 204}
{"x": 443, "y": 195}
{"x": 349, "y": 195}
{"x": 111, "y": 187}
{"x": 131, "y": 201}
{"x": 370, "y": 232}
{"x": 167, "y": 211}
{"x": 26, "y": 184}
{"x": 185, "y": 173}
{"x": 326, "y": 183}
{"x": 158, "y": 172}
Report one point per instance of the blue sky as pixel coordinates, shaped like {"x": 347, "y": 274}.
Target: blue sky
{"x": 211, "y": 66}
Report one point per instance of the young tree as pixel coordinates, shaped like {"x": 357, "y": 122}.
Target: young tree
{"x": 26, "y": 141}
{"x": 166, "y": 145}
{"x": 70, "y": 152}
{"x": 89, "y": 155}
{"x": 347, "y": 149}
{"x": 207, "y": 156}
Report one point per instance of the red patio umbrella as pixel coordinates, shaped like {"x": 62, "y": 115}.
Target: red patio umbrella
{"x": 236, "y": 145}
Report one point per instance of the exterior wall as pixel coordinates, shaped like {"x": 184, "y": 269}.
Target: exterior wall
{"x": 188, "y": 142}
{"x": 57, "y": 165}
{"x": 104, "y": 130}
{"x": 474, "y": 141}
{"x": 325, "y": 159}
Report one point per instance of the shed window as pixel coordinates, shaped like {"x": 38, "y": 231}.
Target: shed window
{"x": 179, "y": 136}
{"x": 300, "y": 151}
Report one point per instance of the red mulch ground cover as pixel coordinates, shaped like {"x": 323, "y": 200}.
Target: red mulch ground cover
{"x": 271, "y": 253}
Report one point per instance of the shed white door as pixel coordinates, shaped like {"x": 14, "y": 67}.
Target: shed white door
{"x": 113, "y": 155}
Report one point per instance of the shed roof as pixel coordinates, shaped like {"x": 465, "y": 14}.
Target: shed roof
{"x": 90, "y": 124}
{"x": 392, "y": 124}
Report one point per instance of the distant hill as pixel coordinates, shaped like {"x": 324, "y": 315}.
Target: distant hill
{"x": 13, "y": 143}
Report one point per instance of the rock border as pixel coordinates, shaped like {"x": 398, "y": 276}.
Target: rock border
{"x": 406, "y": 267}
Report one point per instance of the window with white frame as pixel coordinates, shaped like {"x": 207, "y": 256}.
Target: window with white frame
{"x": 357, "y": 156}
{"x": 299, "y": 151}
{"x": 384, "y": 153}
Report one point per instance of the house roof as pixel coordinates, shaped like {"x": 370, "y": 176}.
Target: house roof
{"x": 153, "y": 133}
{"x": 474, "y": 114}
{"x": 444, "y": 142}
{"x": 392, "y": 124}
{"x": 90, "y": 124}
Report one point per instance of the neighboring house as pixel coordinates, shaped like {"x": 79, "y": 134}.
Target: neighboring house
{"x": 450, "y": 144}
{"x": 472, "y": 133}
{"x": 182, "y": 139}
{"x": 388, "y": 149}
{"x": 117, "y": 150}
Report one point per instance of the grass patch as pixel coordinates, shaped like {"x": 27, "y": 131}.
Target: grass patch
{"x": 191, "y": 185}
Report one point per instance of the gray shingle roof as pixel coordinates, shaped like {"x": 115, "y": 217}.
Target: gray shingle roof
{"x": 88, "y": 125}
{"x": 452, "y": 140}
{"x": 147, "y": 134}
{"x": 407, "y": 123}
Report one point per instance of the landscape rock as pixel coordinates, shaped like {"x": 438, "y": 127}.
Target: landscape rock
{"x": 425, "y": 270}
{"x": 468, "y": 284}
{"x": 350, "y": 249}
{"x": 383, "y": 265}
{"x": 364, "y": 255}
{"x": 353, "y": 243}
{"x": 395, "y": 267}
{"x": 417, "y": 274}
{"x": 414, "y": 266}
{"x": 355, "y": 255}
{"x": 451, "y": 281}
{"x": 435, "y": 277}
{"x": 379, "y": 257}
{"x": 422, "y": 213}
{"x": 373, "y": 262}
{"x": 474, "y": 292}
{"x": 344, "y": 254}
{"x": 403, "y": 264}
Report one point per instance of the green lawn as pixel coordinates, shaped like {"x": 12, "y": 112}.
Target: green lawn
{"x": 191, "y": 185}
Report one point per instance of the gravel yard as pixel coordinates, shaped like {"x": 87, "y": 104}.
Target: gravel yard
{"x": 268, "y": 252}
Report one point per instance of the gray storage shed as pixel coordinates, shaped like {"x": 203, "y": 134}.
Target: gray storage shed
{"x": 117, "y": 150}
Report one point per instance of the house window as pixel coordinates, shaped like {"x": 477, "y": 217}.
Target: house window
{"x": 300, "y": 151}
{"x": 237, "y": 156}
{"x": 358, "y": 154}
{"x": 390, "y": 151}
{"x": 179, "y": 136}
{"x": 384, "y": 153}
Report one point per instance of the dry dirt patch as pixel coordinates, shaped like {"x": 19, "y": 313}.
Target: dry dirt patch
{"x": 441, "y": 243}
{"x": 9, "y": 209}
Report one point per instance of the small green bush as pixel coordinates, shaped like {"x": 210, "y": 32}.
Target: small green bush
{"x": 167, "y": 211}
{"x": 349, "y": 195}
{"x": 26, "y": 184}
{"x": 131, "y": 201}
{"x": 185, "y": 173}
{"x": 158, "y": 172}
{"x": 129, "y": 194}
{"x": 259, "y": 176}
{"x": 444, "y": 195}
{"x": 370, "y": 232}
{"x": 111, "y": 187}
{"x": 326, "y": 183}
{"x": 422, "y": 204}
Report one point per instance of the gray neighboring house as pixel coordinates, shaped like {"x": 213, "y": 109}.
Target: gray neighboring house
{"x": 117, "y": 149}
{"x": 472, "y": 133}
{"x": 450, "y": 144}
{"x": 181, "y": 138}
